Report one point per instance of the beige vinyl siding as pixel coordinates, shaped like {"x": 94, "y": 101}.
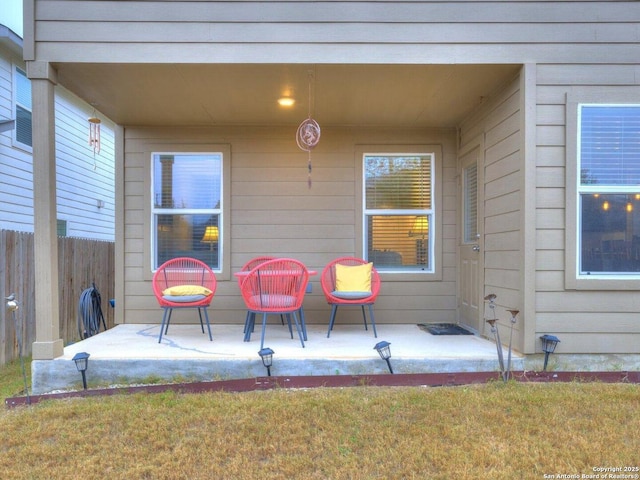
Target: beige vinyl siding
{"x": 550, "y": 195}
{"x": 598, "y": 320}
{"x": 576, "y": 47}
{"x": 499, "y": 122}
{"x": 253, "y": 32}
{"x": 347, "y": 32}
{"x": 274, "y": 212}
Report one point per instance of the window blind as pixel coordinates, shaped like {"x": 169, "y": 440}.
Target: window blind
{"x": 187, "y": 195}
{"x": 23, "y": 108}
{"x": 398, "y": 182}
{"x": 609, "y": 145}
{"x": 398, "y": 210}
{"x": 470, "y": 204}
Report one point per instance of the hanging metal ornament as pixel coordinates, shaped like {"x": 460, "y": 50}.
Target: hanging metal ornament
{"x": 94, "y": 136}
{"x": 308, "y": 134}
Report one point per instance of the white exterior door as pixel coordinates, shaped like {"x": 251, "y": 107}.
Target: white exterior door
{"x": 471, "y": 265}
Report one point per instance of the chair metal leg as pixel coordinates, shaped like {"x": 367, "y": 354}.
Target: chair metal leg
{"x": 303, "y": 323}
{"x": 264, "y": 327}
{"x": 365, "y": 318}
{"x": 289, "y": 323}
{"x": 332, "y": 319}
{"x": 295, "y": 319}
{"x": 246, "y": 322}
{"x": 206, "y": 317}
{"x": 167, "y": 311}
{"x": 373, "y": 321}
{"x": 168, "y": 321}
{"x": 251, "y": 320}
{"x": 200, "y": 315}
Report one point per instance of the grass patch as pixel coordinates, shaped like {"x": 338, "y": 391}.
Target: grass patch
{"x": 496, "y": 430}
{"x": 11, "y": 379}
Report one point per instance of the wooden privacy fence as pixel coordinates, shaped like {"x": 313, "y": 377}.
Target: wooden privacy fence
{"x": 81, "y": 262}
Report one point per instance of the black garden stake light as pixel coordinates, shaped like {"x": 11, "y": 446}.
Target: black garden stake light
{"x": 266, "y": 354}
{"x": 385, "y": 352}
{"x": 82, "y": 361}
{"x": 549, "y": 343}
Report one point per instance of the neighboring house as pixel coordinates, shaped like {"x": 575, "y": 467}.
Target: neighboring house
{"x": 85, "y": 183}
{"x": 467, "y": 148}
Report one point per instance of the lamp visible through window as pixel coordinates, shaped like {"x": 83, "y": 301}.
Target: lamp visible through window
{"x": 211, "y": 236}
{"x": 420, "y": 229}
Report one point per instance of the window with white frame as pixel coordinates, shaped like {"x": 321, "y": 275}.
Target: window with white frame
{"x": 22, "y": 101}
{"x": 187, "y": 207}
{"x": 608, "y": 190}
{"x": 398, "y": 211}
{"x": 61, "y": 227}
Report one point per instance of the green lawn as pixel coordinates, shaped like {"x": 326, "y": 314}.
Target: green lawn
{"x": 496, "y": 430}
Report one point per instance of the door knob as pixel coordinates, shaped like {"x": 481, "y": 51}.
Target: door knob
{"x": 476, "y": 248}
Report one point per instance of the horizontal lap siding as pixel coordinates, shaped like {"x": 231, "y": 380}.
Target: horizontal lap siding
{"x": 334, "y": 32}
{"x": 245, "y": 32}
{"x": 499, "y": 123}
{"x": 561, "y": 37}
{"x": 503, "y": 198}
{"x": 274, "y": 212}
{"x": 16, "y": 171}
{"x": 585, "y": 321}
{"x": 515, "y": 11}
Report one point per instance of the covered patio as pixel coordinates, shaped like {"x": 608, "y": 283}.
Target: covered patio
{"x": 130, "y": 353}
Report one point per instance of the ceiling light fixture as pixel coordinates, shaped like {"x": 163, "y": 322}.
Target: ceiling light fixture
{"x": 286, "y": 102}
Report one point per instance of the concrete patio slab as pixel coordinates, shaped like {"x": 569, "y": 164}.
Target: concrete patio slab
{"x": 131, "y": 353}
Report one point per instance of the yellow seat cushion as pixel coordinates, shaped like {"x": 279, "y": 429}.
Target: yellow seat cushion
{"x": 356, "y": 278}
{"x": 181, "y": 290}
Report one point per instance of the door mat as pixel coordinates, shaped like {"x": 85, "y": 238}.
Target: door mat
{"x": 444, "y": 329}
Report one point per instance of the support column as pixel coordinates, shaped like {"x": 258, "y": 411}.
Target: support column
{"x": 48, "y": 344}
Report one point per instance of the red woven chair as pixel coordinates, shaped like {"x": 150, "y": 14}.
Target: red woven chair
{"x": 254, "y": 262}
{"x": 361, "y": 298}
{"x": 275, "y": 287}
{"x": 184, "y": 283}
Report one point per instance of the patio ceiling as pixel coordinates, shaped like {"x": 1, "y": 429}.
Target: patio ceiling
{"x": 245, "y": 94}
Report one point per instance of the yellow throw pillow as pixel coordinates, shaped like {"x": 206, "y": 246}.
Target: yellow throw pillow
{"x": 355, "y": 278}
{"x": 181, "y": 290}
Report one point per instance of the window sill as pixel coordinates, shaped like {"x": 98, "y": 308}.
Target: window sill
{"x": 605, "y": 283}
{"x": 408, "y": 276}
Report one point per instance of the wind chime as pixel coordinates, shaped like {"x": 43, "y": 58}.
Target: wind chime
{"x": 94, "y": 136}
{"x": 308, "y": 134}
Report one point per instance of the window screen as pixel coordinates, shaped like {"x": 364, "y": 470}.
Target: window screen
{"x": 609, "y": 189}
{"x": 398, "y": 213}
{"x": 23, "y": 108}
{"x": 187, "y": 207}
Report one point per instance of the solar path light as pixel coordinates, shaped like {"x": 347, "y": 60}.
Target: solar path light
{"x": 82, "y": 361}
{"x": 385, "y": 352}
{"x": 549, "y": 343}
{"x": 266, "y": 354}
